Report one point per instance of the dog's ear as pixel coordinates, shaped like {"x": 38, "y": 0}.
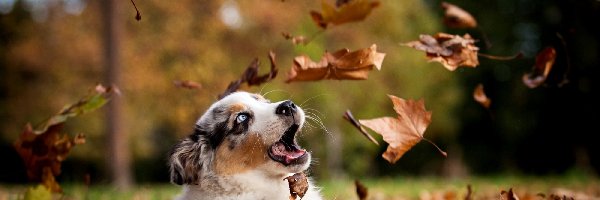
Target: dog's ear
{"x": 190, "y": 159}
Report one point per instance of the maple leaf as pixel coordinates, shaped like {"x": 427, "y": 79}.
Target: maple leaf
{"x": 543, "y": 64}
{"x": 452, "y": 51}
{"x": 347, "y": 11}
{"x": 480, "y": 97}
{"x": 361, "y": 190}
{"x": 456, "y": 17}
{"x": 298, "y": 184}
{"x": 187, "y": 84}
{"x": 341, "y": 65}
{"x": 403, "y": 132}
{"x": 251, "y": 77}
{"x": 44, "y": 148}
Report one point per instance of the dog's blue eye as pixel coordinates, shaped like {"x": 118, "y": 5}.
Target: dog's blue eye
{"x": 241, "y": 118}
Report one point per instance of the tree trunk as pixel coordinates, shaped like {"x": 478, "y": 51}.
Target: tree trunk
{"x": 117, "y": 157}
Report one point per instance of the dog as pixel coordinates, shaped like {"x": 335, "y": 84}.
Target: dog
{"x": 242, "y": 147}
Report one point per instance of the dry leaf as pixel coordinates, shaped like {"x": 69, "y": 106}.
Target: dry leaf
{"x": 187, "y": 84}
{"x": 341, "y": 65}
{"x": 403, "y": 132}
{"x": 251, "y": 77}
{"x": 298, "y": 184}
{"x": 543, "y": 64}
{"x": 347, "y": 11}
{"x": 44, "y": 149}
{"x": 510, "y": 195}
{"x": 350, "y": 118}
{"x": 456, "y": 17}
{"x": 361, "y": 190}
{"x": 480, "y": 97}
{"x": 452, "y": 51}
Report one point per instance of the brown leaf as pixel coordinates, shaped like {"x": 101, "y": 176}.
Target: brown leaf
{"x": 480, "y": 97}
{"x": 44, "y": 149}
{"x": 251, "y": 77}
{"x": 341, "y": 65}
{"x": 510, "y": 195}
{"x": 347, "y": 11}
{"x": 456, "y": 17}
{"x": 298, "y": 184}
{"x": 296, "y": 40}
{"x": 361, "y": 190}
{"x": 350, "y": 118}
{"x": 543, "y": 64}
{"x": 403, "y": 132}
{"x": 187, "y": 84}
{"x": 452, "y": 51}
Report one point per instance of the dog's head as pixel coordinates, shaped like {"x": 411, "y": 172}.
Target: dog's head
{"x": 240, "y": 133}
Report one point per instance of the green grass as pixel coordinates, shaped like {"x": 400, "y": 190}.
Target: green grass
{"x": 381, "y": 188}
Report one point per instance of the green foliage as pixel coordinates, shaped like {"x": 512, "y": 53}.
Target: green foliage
{"x": 39, "y": 192}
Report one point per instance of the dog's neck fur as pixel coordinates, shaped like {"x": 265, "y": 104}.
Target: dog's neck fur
{"x": 249, "y": 185}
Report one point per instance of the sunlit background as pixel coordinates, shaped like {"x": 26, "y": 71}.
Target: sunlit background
{"x": 52, "y": 53}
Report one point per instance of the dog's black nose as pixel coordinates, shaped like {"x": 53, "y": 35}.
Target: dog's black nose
{"x": 286, "y": 108}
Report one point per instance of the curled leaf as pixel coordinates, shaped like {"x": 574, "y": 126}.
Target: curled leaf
{"x": 403, "y": 132}
{"x": 44, "y": 148}
{"x": 452, "y": 51}
{"x": 456, "y": 17}
{"x": 347, "y": 11}
{"x": 187, "y": 84}
{"x": 480, "y": 97}
{"x": 543, "y": 64}
{"x": 298, "y": 184}
{"x": 251, "y": 77}
{"x": 341, "y": 65}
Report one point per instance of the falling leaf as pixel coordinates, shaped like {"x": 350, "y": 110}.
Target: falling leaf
{"x": 452, "y": 51}
{"x": 403, "y": 132}
{"x": 298, "y": 184}
{"x": 341, "y": 65}
{"x": 543, "y": 64}
{"x": 44, "y": 148}
{"x": 251, "y": 77}
{"x": 480, "y": 97}
{"x": 510, "y": 195}
{"x": 138, "y": 16}
{"x": 456, "y": 17}
{"x": 187, "y": 84}
{"x": 296, "y": 40}
{"x": 361, "y": 190}
{"x": 347, "y": 11}
{"x": 348, "y": 116}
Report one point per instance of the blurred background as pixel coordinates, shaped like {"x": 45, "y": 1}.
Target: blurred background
{"x": 53, "y": 51}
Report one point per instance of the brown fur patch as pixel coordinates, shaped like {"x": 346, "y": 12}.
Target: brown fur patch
{"x": 237, "y": 107}
{"x": 247, "y": 155}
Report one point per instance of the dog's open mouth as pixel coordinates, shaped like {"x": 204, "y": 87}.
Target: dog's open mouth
{"x": 286, "y": 151}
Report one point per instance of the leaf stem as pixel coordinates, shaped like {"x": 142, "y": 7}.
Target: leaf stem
{"x": 438, "y": 148}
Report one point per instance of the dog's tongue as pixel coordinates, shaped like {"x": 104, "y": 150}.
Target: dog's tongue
{"x": 289, "y": 154}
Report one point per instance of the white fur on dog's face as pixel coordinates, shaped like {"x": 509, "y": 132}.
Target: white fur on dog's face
{"x": 240, "y": 133}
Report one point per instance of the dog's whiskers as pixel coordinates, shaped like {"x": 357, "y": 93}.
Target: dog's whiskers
{"x": 311, "y": 98}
